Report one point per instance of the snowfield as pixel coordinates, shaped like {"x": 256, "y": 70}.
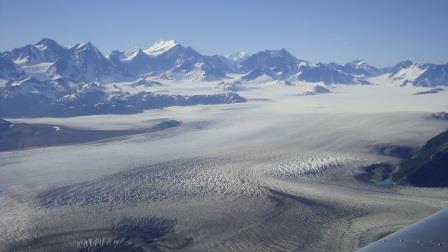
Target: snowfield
{"x": 273, "y": 174}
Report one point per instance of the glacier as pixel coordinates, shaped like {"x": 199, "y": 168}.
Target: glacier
{"x": 265, "y": 155}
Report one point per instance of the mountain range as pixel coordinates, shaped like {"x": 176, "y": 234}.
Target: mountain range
{"x": 169, "y": 59}
{"x": 46, "y": 78}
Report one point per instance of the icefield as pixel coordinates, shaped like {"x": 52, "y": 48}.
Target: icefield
{"x": 273, "y": 174}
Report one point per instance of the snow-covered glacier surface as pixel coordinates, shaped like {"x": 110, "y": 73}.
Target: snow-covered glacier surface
{"x": 273, "y": 174}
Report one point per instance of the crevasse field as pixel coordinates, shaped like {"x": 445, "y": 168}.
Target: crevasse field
{"x": 273, "y": 174}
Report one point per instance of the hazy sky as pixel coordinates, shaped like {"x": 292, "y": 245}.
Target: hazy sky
{"x": 382, "y": 32}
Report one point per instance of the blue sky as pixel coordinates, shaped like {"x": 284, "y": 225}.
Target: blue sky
{"x": 382, "y": 32}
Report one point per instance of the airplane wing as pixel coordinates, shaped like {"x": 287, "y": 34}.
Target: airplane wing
{"x": 428, "y": 235}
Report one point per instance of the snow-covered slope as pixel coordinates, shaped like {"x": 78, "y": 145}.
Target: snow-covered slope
{"x": 407, "y": 72}
{"x": 326, "y": 73}
{"x": 434, "y": 75}
{"x": 161, "y": 47}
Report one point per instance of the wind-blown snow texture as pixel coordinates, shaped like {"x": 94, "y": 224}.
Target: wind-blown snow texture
{"x": 275, "y": 173}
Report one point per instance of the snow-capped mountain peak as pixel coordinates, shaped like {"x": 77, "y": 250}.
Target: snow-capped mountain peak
{"x": 46, "y": 43}
{"x": 359, "y": 64}
{"x": 84, "y": 46}
{"x": 427, "y": 75}
{"x": 133, "y": 53}
{"x": 277, "y": 64}
{"x": 161, "y": 46}
{"x": 46, "y": 50}
{"x": 83, "y": 62}
{"x": 237, "y": 56}
{"x": 89, "y": 52}
{"x": 42, "y": 45}
{"x": 359, "y": 68}
{"x": 279, "y": 53}
{"x": 410, "y": 73}
{"x": 401, "y": 65}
